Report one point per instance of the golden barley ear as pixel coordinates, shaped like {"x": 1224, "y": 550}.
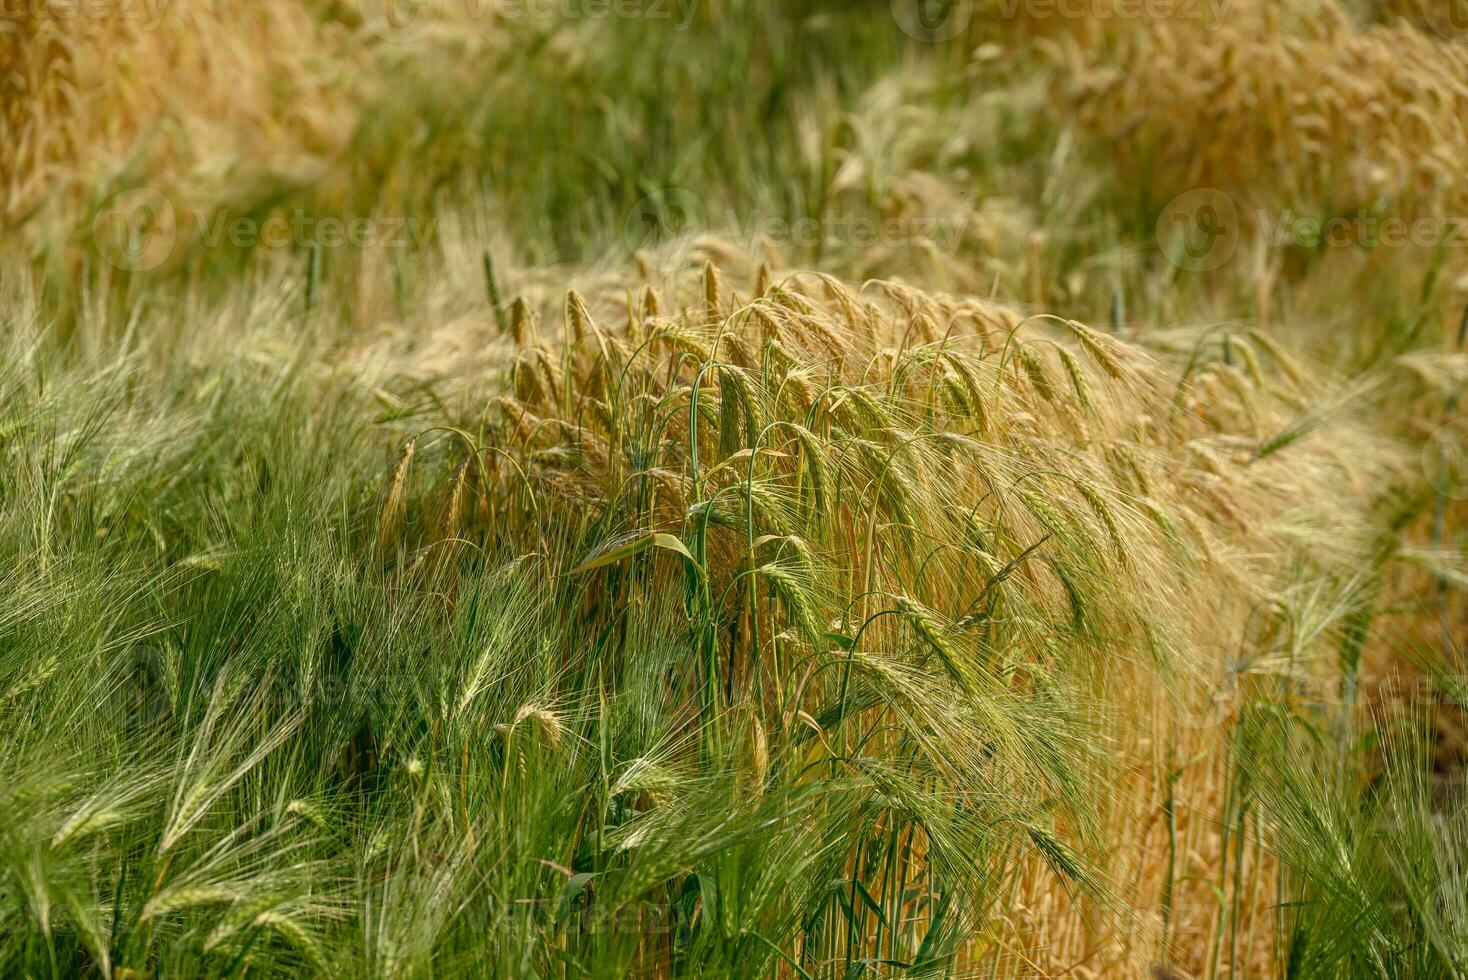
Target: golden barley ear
{"x": 576, "y": 317}
{"x": 1078, "y": 380}
{"x": 395, "y": 507}
{"x": 583, "y": 323}
{"x": 542, "y": 721}
{"x": 520, "y": 321}
{"x": 1095, "y": 348}
{"x": 1034, "y": 270}
{"x": 459, "y": 489}
{"x": 633, "y": 329}
{"x": 1034, "y": 369}
{"x": 762, "y": 280}
{"x": 712, "y": 290}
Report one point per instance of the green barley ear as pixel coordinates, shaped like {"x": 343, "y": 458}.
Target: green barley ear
{"x": 308, "y": 811}
{"x": 1251, "y": 362}
{"x": 759, "y": 756}
{"x": 1062, "y": 859}
{"x": 1133, "y": 463}
{"x": 731, "y": 413}
{"x": 791, "y": 585}
{"x": 179, "y": 898}
{"x": 492, "y": 291}
{"x": 313, "y": 276}
{"x": 925, "y": 622}
{"x": 1103, "y": 514}
{"x": 1077, "y": 378}
{"x": 964, "y": 366}
{"x": 739, "y": 418}
{"x": 1281, "y": 357}
{"x": 955, "y": 395}
{"x": 814, "y": 468}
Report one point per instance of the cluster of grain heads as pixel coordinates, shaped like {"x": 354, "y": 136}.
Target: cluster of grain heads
{"x": 93, "y": 99}
{"x": 203, "y": 885}
{"x": 1298, "y": 111}
{"x": 896, "y": 526}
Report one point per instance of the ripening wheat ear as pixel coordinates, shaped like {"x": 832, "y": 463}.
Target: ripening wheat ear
{"x": 632, "y": 332}
{"x": 460, "y": 488}
{"x": 579, "y": 323}
{"x": 521, "y": 322}
{"x": 1095, "y": 347}
{"x": 1034, "y": 369}
{"x": 762, "y": 280}
{"x": 760, "y": 765}
{"x": 395, "y": 506}
{"x": 542, "y": 720}
{"x": 712, "y": 292}
{"x": 576, "y": 318}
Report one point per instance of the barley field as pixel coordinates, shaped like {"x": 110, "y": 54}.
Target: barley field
{"x": 734, "y": 488}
